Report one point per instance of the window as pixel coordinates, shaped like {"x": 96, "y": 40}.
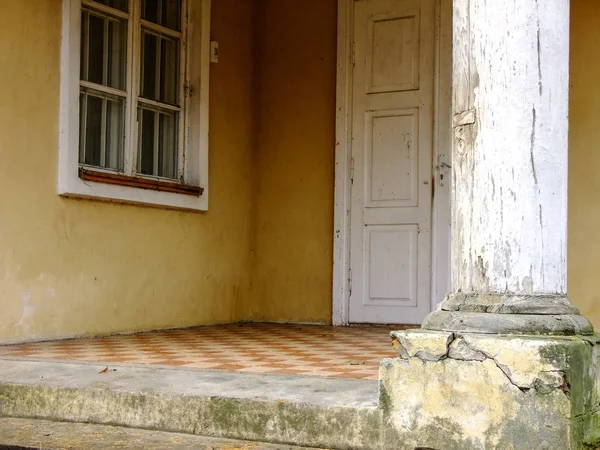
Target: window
{"x": 134, "y": 101}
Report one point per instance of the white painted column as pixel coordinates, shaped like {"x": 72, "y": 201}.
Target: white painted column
{"x": 511, "y": 84}
{"x": 511, "y": 75}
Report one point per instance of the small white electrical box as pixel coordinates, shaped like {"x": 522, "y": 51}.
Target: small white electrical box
{"x": 214, "y": 52}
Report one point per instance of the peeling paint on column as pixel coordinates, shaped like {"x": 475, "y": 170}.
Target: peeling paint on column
{"x": 510, "y": 146}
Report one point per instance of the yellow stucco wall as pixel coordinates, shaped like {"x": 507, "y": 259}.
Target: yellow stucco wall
{"x": 584, "y": 160}
{"x": 296, "y": 57}
{"x": 70, "y": 267}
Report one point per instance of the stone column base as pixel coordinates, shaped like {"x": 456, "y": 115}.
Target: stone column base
{"x": 473, "y": 391}
{"x": 508, "y": 314}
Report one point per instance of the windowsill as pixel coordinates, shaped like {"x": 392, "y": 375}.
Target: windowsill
{"x": 87, "y": 183}
{"x": 139, "y": 182}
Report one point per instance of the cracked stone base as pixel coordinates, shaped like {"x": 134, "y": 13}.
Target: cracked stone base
{"x": 472, "y": 391}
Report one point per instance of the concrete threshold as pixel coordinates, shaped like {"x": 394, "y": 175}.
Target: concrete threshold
{"x": 294, "y": 410}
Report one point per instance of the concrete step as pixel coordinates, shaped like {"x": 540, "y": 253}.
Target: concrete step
{"x": 18, "y": 434}
{"x": 293, "y": 410}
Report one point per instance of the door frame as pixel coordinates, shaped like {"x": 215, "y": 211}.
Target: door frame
{"x": 440, "y": 262}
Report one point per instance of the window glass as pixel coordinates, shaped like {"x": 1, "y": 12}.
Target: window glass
{"x": 147, "y": 141}
{"x": 92, "y": 131}
{"x": 169, "y": 71}
{"x": 158, "y": 143}
{"x": 101, "y": 130}
{"x": 103, "y": 50}
{"x": 167, "y": 145}
{"x": 118, "y": 4}
{"x": 163, "y": 12}
{"x": 149, "y": 62}
{"x": 160, "y": 68}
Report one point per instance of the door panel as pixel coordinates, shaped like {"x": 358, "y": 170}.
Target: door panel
{"x": 392, "y": 175}
{"x": 391, "y": 265}
{"x": 392, "y": 127}
{"x": 393, "y": 52}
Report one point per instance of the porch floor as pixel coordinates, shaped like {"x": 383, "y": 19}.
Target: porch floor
{"x": 348, "y": 352}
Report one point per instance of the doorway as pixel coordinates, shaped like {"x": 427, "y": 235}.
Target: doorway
{"x": 392, "y": 208}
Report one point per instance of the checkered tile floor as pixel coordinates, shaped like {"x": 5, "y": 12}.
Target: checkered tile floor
{"x": 263, "y": 348}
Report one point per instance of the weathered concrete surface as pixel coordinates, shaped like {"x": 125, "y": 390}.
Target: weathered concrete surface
{"x": 493, "y": 392}
{"x": 492, "y": 323}
{"x": 509, "y": 304}
{"x": 427, "y": 345}
{"x": 306, "y": 411}
{"x": 46, "y": 435}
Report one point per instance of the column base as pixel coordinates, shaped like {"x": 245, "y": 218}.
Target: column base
{"x": 523, "y": 324}
{"x": 508, "y": 314}
{"x": 474, "y": 391}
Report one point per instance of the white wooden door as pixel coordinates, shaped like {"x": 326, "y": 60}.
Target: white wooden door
{"x": 392, "y": 148}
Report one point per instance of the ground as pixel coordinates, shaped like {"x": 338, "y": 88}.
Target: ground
{"x": 39, "y": 434}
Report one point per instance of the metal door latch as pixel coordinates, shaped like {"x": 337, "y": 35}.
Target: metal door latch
{"x": 442, "y": 166}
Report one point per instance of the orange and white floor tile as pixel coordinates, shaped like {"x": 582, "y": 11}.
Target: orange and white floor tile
{"x": 345, "y": 352}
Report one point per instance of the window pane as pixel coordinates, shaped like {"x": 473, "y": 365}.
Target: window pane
{"x": 171, "y": 14}
{"x": 150, "y": 10}
{"x": 169, "y": 70}
{"x": 149, "y": 60}
{"x": 118, "y": 4}
{"x": 147, "y": 142}
{"x": 164, "y": 85}
{"x": 101, "y": 131}
{"x": 93, "y": 131}
{"x": 114, "y": 135}
{"x": 103, "y": 50}
{"x": 82, "y": 134}
{"x": 167, "y": 149}
{"x": 117, "y": 54}
{"x": 163, "y": 12}
{"x": 158, "y": 143}
{"x": 95, "y": 49}
{"x": 83, "y": 52}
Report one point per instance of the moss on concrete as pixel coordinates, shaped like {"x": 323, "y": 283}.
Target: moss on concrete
{"x": 522, "y": 393}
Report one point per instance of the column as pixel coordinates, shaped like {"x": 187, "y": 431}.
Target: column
{"x": 510, "y": 156}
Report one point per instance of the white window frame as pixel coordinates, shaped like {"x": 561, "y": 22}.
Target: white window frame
{"x": 195, "y": 104}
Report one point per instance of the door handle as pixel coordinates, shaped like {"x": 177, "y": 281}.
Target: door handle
{"x": 442, "y": 165}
